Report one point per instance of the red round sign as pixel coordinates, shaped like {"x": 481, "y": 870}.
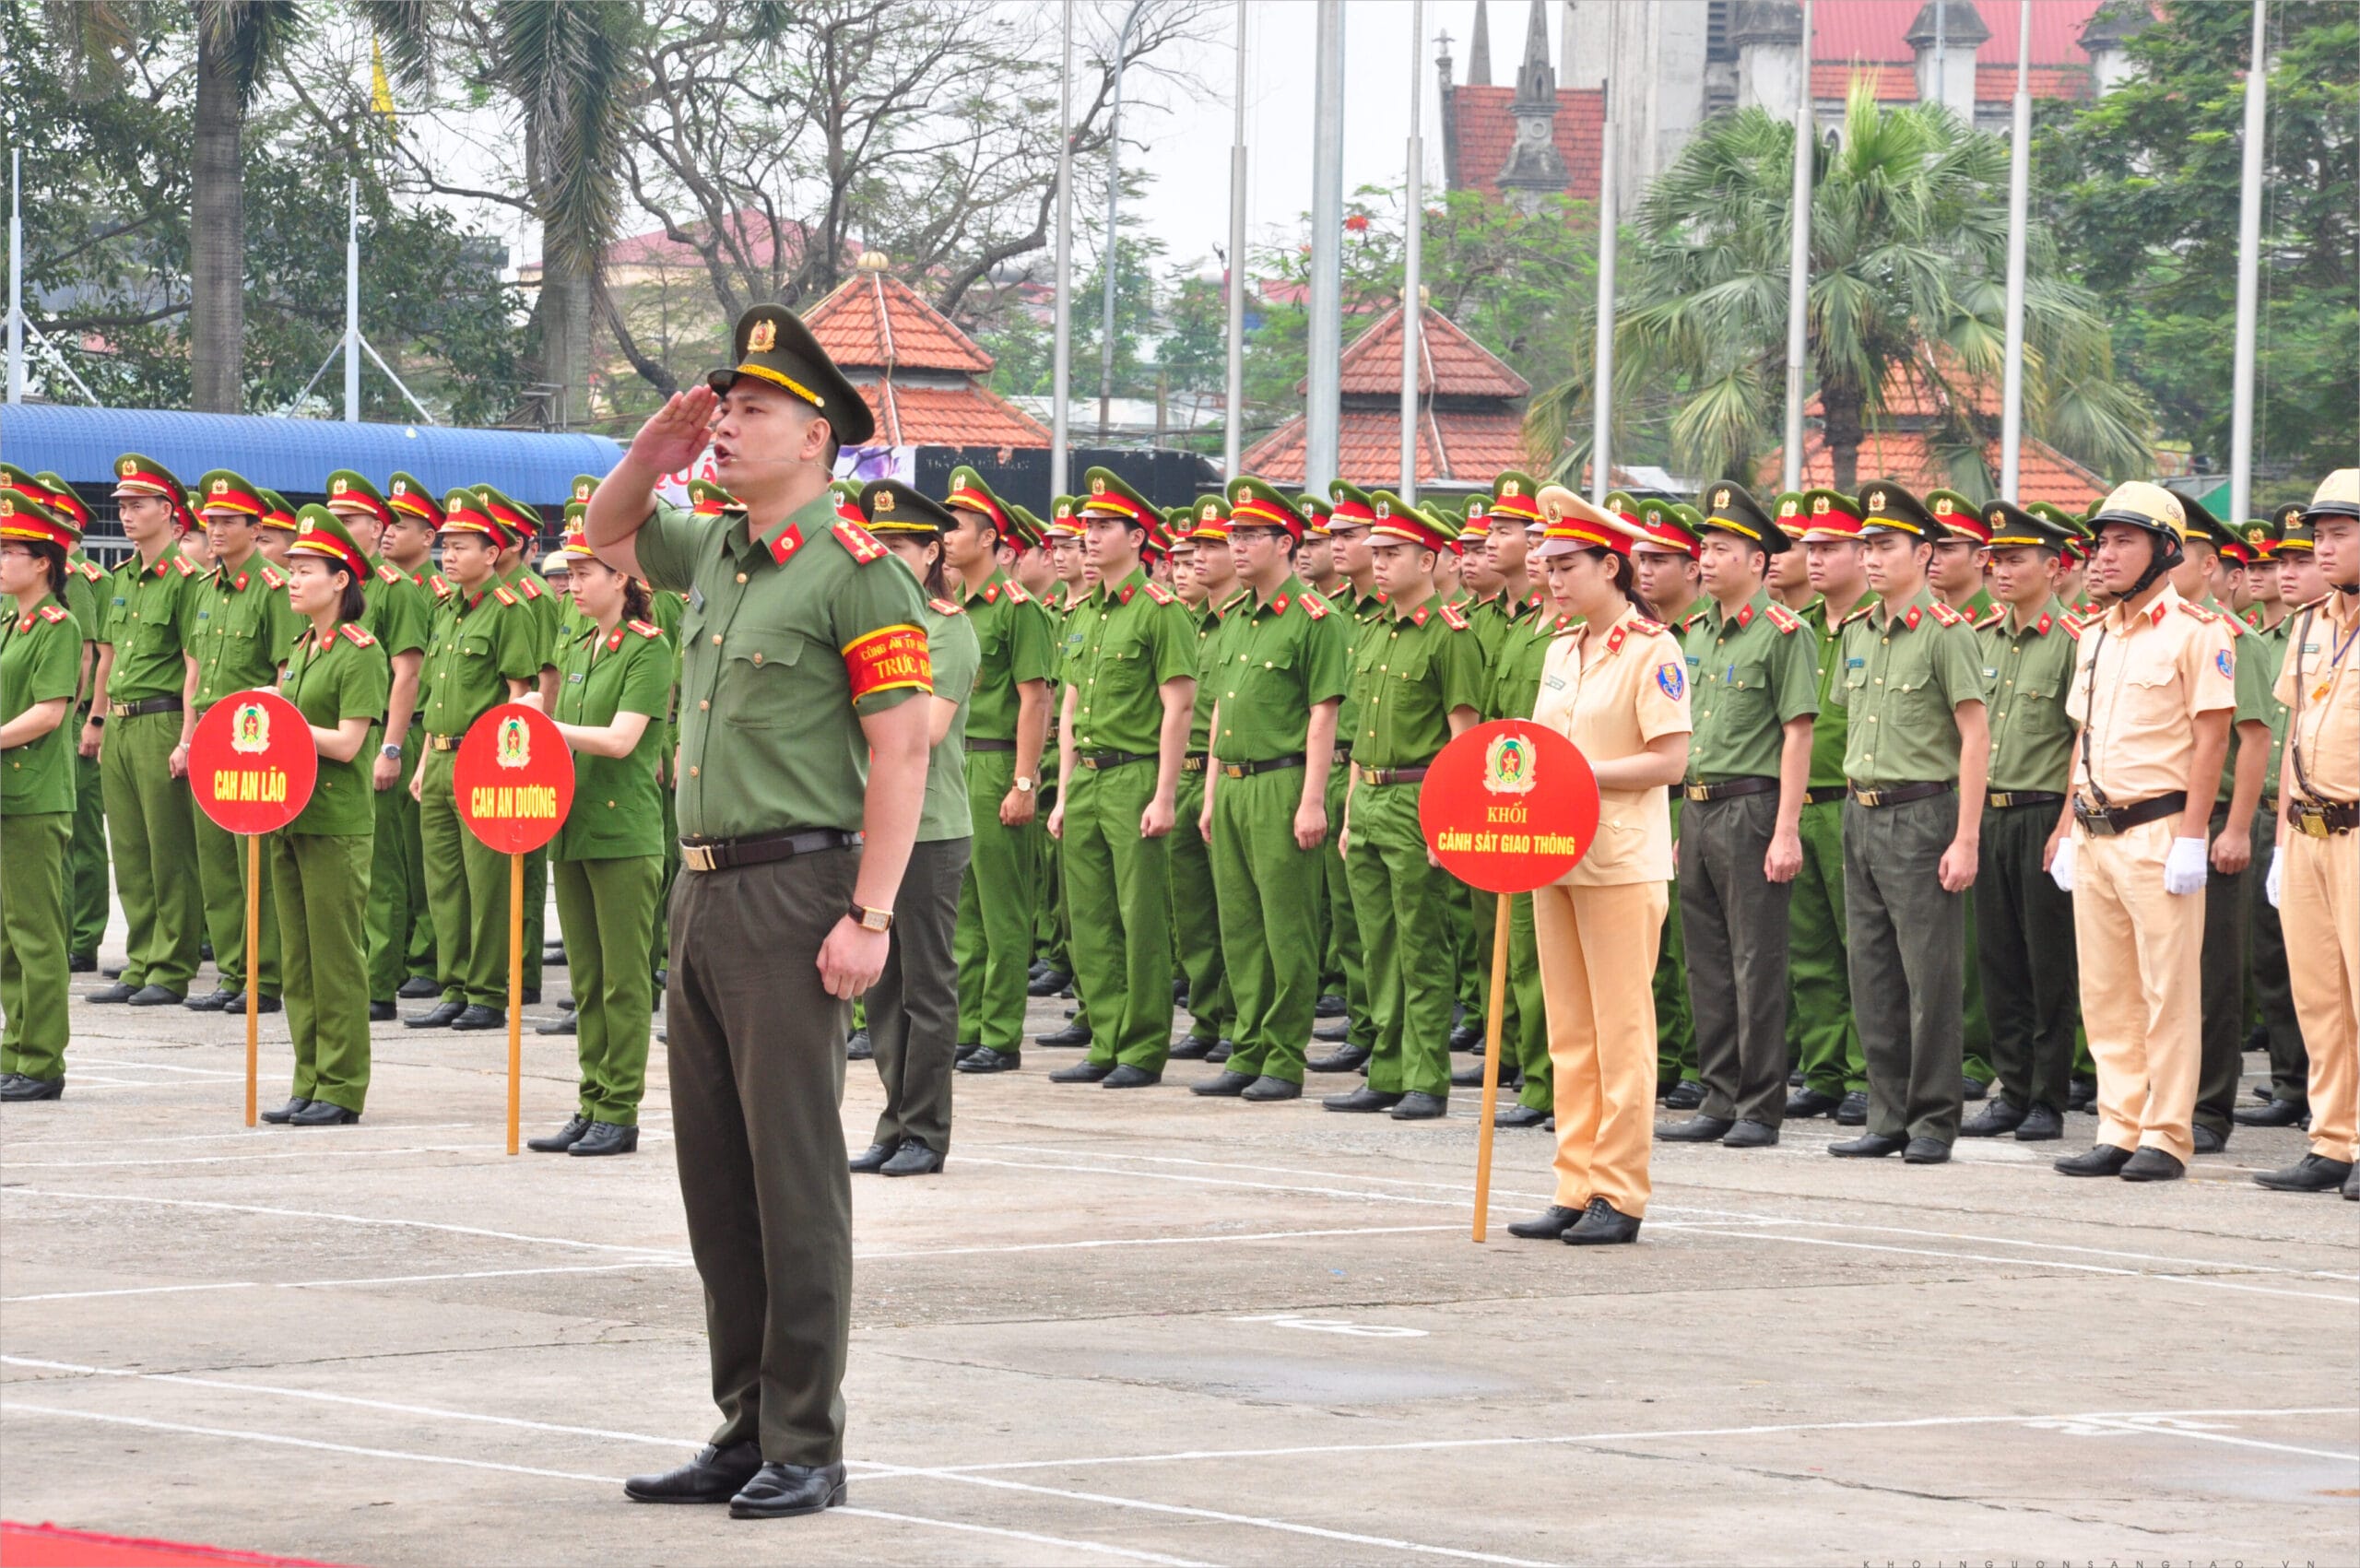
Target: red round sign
{"x": 252, "y": 763}
{"x": 513, "y": 778}
{"x": 1509, "y": 807}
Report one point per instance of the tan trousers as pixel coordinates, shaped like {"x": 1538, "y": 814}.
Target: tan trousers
{"x": 1598, "y": 965}
{"x": 2318, "y": 908}
{"x": 2141, "y": 997}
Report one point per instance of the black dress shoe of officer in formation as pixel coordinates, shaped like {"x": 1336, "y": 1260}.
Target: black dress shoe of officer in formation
{"x": 912, "y": 1159}
{"x": 2312, "y": 1172}
{"x": 606, "y": 1137}
{"x": 436, "y": 1017}
{"x": 715, "y": 1475}
{"x": 323, "y": 1113}
{"x": 565, "y": 1137}
{"x": 1602, "y": 1224}
{"x": 1547, "y": 1226}
{"x": 784, "y": 1492}
{"x": 2099, "y": 1159}
{"x": 288, "y": 1111}
{"x": 1696, "y": 1130}
{"x": 1348, "y": 1059}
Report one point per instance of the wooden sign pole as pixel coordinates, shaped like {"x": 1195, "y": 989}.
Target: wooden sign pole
{"x": 515, "y": 995}
{"x": 1491, "y": 1066}
{"x": 254, "y": 968}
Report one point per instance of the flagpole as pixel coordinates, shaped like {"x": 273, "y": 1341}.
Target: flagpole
{"x": 2248, "y": 272}
{"x": 2012, "y": 404}
{"x": 1799, "y": 268}
{"x": 1323, "y": 412}
{"x": 1233, "y": 443}
{"x": 16, "y": 275}
{"x": 1061, "y": 362}
{"x": 1601, "y": 389}
{"x": 1413, "y": 228}
{"x": 352, "y": 303}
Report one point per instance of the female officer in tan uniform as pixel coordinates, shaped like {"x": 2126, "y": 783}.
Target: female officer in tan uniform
{"x": 1618, "y": 688}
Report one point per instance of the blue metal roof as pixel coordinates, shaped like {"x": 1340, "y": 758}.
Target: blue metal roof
{"x": 81, "y": 446}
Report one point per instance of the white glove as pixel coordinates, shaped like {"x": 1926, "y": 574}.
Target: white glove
{"x": 2273, "y": 885}
{"x": 2184, "y": 868}
{"x": 2061, "y": 865}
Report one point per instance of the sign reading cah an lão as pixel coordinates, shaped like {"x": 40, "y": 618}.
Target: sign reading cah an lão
{"x": 512, "y": 780}
{"x": 251, "y": 762}
{"x": 1509, "y": 807}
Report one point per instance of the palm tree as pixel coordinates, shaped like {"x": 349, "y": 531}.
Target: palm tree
{"x": 237, "y": 40}
{"x": 1908, "y": 280}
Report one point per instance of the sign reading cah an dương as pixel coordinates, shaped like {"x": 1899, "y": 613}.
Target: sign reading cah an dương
{"x": 252, "y": 764}
{"x": 512, "y": 780}
{"x": 1509, "y": 807}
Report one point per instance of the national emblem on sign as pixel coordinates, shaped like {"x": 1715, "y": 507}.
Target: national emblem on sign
{"x": 251, "y": 732}
{"x": 763, "y": 339}
{"x": 516, "y": 742}
{"x": 1508, "y": 766}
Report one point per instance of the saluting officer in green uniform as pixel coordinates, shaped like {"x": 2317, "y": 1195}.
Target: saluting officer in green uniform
{"x": 1205, "y": 579}
{"x": 799, "y": 738}
{"x": 1278, "y": 672}
{"x": 406, "y": 543}
{"x": 614, "y": 683}
{"x": 483, "y": 649}
{"x": 339, "y": 678}
{"x": 1124, "y": 729}
{"x": 240, "y": 631}
{"x": 1008, "y": 726}
{"x": 398, "y": 613}
{"x": 140, "y": 721}
{"x": 41, "y": 668}
{"x": 2025, "y": 921}
{"x": 1417, "y": 680}
{"x": 1754, "y": 679}
{"x": 521, "y": 527}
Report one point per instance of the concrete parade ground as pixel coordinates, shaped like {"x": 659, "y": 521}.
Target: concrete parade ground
{"x": 1143, "y": 1326}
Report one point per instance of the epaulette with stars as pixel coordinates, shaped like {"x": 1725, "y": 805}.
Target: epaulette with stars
{"x": 1860, "y": 612}
{"x": 1647, "y": 627}
{"x": 1159, "y": 593}
{"x": 1999, "y": 613}
{"x": 859, "y": 541}
{"x": 1945, "y": 615}
{"x": 1785, "y": 620}
{"x": 647, "y": 628}
{"x": 946, "y": 607}
{"x": 1454, "y": 619}
{"x": 270, "y": 577}
{"x": 1314, "y": 606}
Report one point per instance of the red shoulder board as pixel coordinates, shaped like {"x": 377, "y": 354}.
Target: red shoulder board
{"x": 503, "y": 595}
{"x": 991, "y": 592}
{"x": 442, "y": 588}
{"x": 2199, "y": 611}
{"x": 1913, "y": 618}
{"x": 1614, "y": 638}
{"x": 1016, "y": 594}
{"x": 647, "y": 628}
{"x": 947, "y": 606}
{"x": 1647, "y": 627}
{"x": 1945, "y": 615}
{"x": 1315, "y": 606}
{"x": 89, "y": 569}
{"x": 188, "y": 567}
{"x": 532, "y": 589}
{"x": 1866, "y": 605}
{"x": 1452, "y": 619}
{"x": 1158, "y": 591}
{"x": 1785, "y": 619}
{"x": 2072, "y": 628}
{"x": 614, "y": 639}
{"x": 271, "y": 578}
{"x": 359, "y": 635}
{"x": 56, "y": 613}
{"x": 2253, "y": 618}
{"x": 860, "y": 541}
{"x": 389, "y": 573}
{"x": 2000, "y": 613}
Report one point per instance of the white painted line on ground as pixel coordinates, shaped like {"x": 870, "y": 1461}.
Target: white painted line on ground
{"x": 249, "y": 1134}
{"x": 2222, "y": 1437}
{"x": 335, "y": 1284}
{"x": 343, "y": 1151}
{"x": 343, "y": 1219}
{"x": 1129, "y": 1553}
{"x": 1360, "y": 1195}
{"x": 1214, "y": 1239}
{"x": 155, "y": 1067}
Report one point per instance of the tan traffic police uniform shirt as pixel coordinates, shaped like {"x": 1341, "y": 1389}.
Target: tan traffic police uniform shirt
{"x": 2319, "y": 673}
{"x": 1629, "y": 686}
{"x": 2139, "y": 679}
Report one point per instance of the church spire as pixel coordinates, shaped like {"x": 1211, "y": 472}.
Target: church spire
{"x": 1535, "y": 170}
{"x": 1478, "y": 53}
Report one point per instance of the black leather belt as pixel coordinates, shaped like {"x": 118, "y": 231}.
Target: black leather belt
{"x": 1193, "y": 761}
{"x": 2322, "y": 819}
{"x": 1821, "y": 795}
{"x": 2106, "y": 823}
{"x": 1899, "y": 794}
{"x": 1247, "y": 770}
{"x": 1388, "y": 775}
{"x": 146, "y": 705}
{"x": 723, "y": 855}
{"x": 973, "y": 744}
{"x": 1095, "y": 760}
{"x": 1728, "y": 789}
{"x": 2002, "y": 799}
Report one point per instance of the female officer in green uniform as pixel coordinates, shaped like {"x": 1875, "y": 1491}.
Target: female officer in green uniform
{"x": 339, "y": 678}
{"x": 41, "y": 662}
{"x": 614, "y": 678}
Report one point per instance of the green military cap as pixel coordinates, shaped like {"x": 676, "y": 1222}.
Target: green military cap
{"x": 2338, "y": 496}
{"x": 1177, "y": 522}
{"x": 137, "y": 475}
{"x": 773, "y": 345}
{"x": 1474, "y": 518}
{"x": 1024, "y": 530}
{"x": 278, "y": 512}
{"x": 2260, "y": 536}
{"x": 1791, "y": 512}
{"x": 520, "y": 521}
{"x": 1315, "y": 513}
{"x": 1255, "y": 502}
{"x": 2077, "y": 538}
{"x": 224, "y": 490}
{"x": 407, "y": 493}
{"x": 1393, "y": 518}
{"x": 1960, "y": 518}
{"x": 2295, "y": 531}
{"x": 1514, "y": 492}
{"x": 62, "y": 498}
{"x": 465, "y": 513}
{"x": 1733, "y": 509}
{"x": 847, "y": 498}
{"x": 1624, "y": 504}
{"x": 22, "y": 517}
{"x": 1664, "y": 527}
{"x": 2197, "y": 522}
{"x": 585, "y": 486}
{"x": 1107, "y": 496}
{"x": 892, "y": 507}
{"x": 319, "y": 531}
{"x": 2007, "y": 526}
{"x": 574, "y": 538}
{"x": 1352, "y": 504}
{"x": 1206, "y": 519}
{"x": 968, "y": 490}
{"x": 14, "y": 479}
{"x": 709, "y": 499}
{"x": 1830, "y": 516}
{"x": 349, "y": 491}
{"x": 1887, "y": 508}
{"x": 1065, "y": 519}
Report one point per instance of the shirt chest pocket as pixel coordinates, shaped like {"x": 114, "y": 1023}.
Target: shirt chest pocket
{"x": 759, "y": 677}
{"x": 1270, "y": 667}
{"x": 475, "y": 654}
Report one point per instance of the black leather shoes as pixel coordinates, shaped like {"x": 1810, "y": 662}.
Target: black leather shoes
{"x": 912, "y": 1159}
{"x": 1223, "y": 1051}
{"x": 870, "y": 1160}
{"x": 286, "y": 1113}
{"x": 2351, "y": 1185}
{"x": 565, "y": 1137}
{"x": 1518, "y": 1116}
{"x": 1329, "y": 1006}
{"x": 2081, "y": 1094}
{"x": 1467, "y": 1037}
{"x": 963, "y": 1051}
{"x": 1602, "y": 1224}
{"x": 1696, "y": 1130}
{"x": 232, "y": 1002}
{"x": 2206, "y": 1140}
{"x": 1071, "y": 1034}
{"x": 1049, "y": 984}
{"x": 417, "y": 987}
{"x": 1925, "y": 1152}
{"x": 715, "y": 1475}
{"x": 383, "y": 1012}
{"x": 1417, "y": 1107}
{"x": 1191, "y": 1048}
{"x": 1548, "y": 1226}
{"x": 1265, "y": 1089}
{"x": 2099, "y": 1159}
{"x": 475, "y": 1015}
{"x": 323, "y": 1113}
{"x": 215, "y": 1000}
{"x": 607, "y": 1137}
{"x": 2312, "y": 1172}
{"x": 2152, "y": 1165}
{"x": 1469, "y": 1077}
{"x": 1807, "y": 1102}
{"x": 859, "y": 1048}
{"x": 1994, "y": 1120}
{"x": 564, "y": 1023}
{"x": 1081, "y": 1072}
{"x": 1853, "y": 1112}
{"x": 784, "y": 1492}
{"x": 1350, "y": 1059}
{"x": 118, "y": 992}
{"x": 1868, "y": 1146}
{"x": 436, "y": 1017}
{"x": 1362, "y": 1099}
{"x": 1224, "y": 1086}
{"x": 112, "y": 970}
{"x": 2041, "y": 1124}
{"x": 1751, "y": 1135}
{"x": 1975, "y": 1089}
{"x": 22, "y": 1086}
{"x": 154, "y": 996}
{"x": 1129, "y": 1077}
{"x": 1686, "y": 1095}
{"x": 2277, "y": 1114}
{"x": 81, "y": 963}
{"x": 1331, "y": 1033}
{"x": 983, "y": 1059}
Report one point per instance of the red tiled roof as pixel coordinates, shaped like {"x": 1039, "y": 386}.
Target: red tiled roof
{"x": 1486, "y": 130}
{"x": 947, "y": 415}
{"x": 1451, "y": 362}
{"x": 1993, "y": 84}
{"x": 2044, "y": 473}
{"x": 1468, "y": 448}
{"x": 1912, "y": 393}
{"x": 1878, "y": 30}
{"x": 755, "y": 238}
{"x": 875, "y": 322}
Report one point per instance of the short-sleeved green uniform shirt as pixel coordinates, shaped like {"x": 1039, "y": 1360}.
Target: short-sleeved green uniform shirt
{"x": 618, "y": 806}
{"x": 1751, "y": 671}
{"x": 348, "y": 676}
{"x": 86, "y": 595}
{"x": 1408, "y": 672}
{"x": 2026, "y": 671}
{"x": 547, "y": 609}
{"x": 1272, "y": 664}
{"x": 791, "y": 635}
{"x": 956, "y": 655}
{"x": 479, "y": 642}
{"x": 241, "y": 627}
{"x": 399, "y": 612}
{"x": 1208, "y": 620}
{"x": 1904, "y": 676}
{"x": 1134, "y": 636}
{"x": 41, "y": 660}
{"x": 2255, "y": 704}
{"x": 2266, "y": 646}
{"x": 1828, "y": 729}
{"x": 1015, "y": 642}
{"x": 1515, "y": 675}
{"x": 147, "y": 617}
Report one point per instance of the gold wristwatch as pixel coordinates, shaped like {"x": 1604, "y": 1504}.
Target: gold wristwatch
{"x": 869, "y": 919}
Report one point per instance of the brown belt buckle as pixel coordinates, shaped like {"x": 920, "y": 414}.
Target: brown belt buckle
{"x": 1697, "y": 791}
{"x": 118, "y": 710}
{"x": 1867, "y": 798}
{"x": 1232, "y": 769}
{"x": 2314, "y": 821}
{"x": 698, "y": 857}
{"x": 1090, "y": 762}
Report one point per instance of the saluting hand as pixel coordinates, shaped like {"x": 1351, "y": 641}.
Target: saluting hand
{"x": 676, "y": 435}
